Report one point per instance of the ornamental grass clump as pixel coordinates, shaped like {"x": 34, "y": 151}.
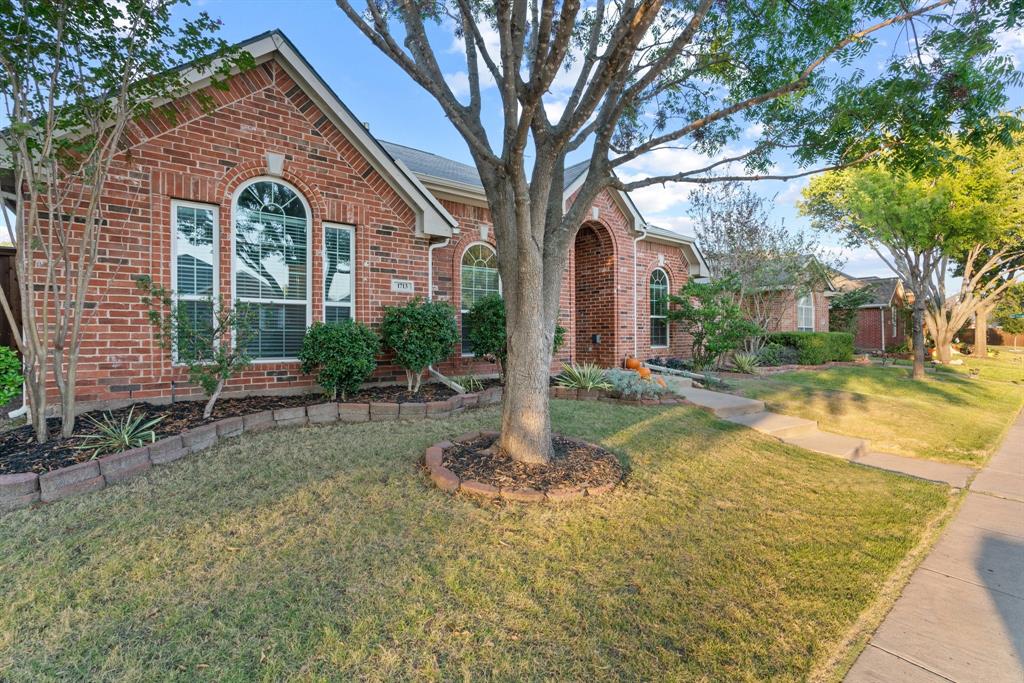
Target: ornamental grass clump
{"x": 746, "y": 362}
{"x": 586, "y": 376}
{"x": 115, "y": 435}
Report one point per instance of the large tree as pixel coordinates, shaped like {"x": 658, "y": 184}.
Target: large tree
{"x": 764, "y": 260}
{"x": 965, "y": 220}
{"x": 74, "y": 76}
{"x": 652, "y": 75}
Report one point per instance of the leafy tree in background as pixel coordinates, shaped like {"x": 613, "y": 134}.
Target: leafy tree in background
{"x": 844, "y": 308}
{"x": 75, "y": 76}
{"x": 967, "y": 220}
{"x": 765, "y": 260}
{"x": 708, "y": 312}
{"x": 420, "y": 333}
{"x": 661, "y": 75}
{"x": 1010, "y": 303}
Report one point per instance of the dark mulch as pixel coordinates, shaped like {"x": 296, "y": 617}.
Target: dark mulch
{"x": 575, "y": 464}
{"x": 20, "y": 453}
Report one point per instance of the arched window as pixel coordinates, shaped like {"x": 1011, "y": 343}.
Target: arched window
{"x": 805, "y": 313}
{"x": 659, "y": 308}
{"x": 479, "y": 277}
{"x": 271, "y": 265}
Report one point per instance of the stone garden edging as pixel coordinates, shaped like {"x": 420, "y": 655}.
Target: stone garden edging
{"x": 448, "y": 481}
{"x": 602, "y": 395}
{"x": 23, "y": 489}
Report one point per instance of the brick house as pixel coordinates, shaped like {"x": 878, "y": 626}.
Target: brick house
{"x": 281, "y": 198}
{"x": 882, "y": 321}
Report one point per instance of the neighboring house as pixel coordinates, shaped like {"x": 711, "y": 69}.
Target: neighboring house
{"x": 282, "y": 199}
{"x": 782, "y": 308}
{"x": 882, "y": 321}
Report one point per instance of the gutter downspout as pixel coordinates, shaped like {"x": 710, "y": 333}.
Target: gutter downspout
{"x": 636, "y": 342}
{"x": 881, "y": 332}
{"x": 430, "y": 297}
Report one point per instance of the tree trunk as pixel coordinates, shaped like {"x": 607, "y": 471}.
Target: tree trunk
{"x": 35, "y": 394}
{"x": 918, "y": 336}
{"x": 525, "y": 418}
{"x": 981, "y": 333}
{"x": 208, "y": 410}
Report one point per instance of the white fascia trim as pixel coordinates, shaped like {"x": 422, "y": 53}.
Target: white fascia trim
{"x": 431, "y": 217}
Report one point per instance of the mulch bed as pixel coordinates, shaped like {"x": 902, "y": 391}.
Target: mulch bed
{"x": 575, "y": 464}
{"x": 20, "y": 453}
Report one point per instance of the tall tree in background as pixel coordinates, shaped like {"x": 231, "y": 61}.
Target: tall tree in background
{"x": 671, "y": 74}
{"x": 966, "y": 220}
{"x": 764, "y": 260}
{"x": 74, "y": 75}
{"x": 1011, "y": 304}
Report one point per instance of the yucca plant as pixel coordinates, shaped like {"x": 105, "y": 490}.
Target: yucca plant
{"x": 586, "y": 376}
{"x": 470, "y": 383}
{"x": 115, "y": 435}
{"x": 746, "y": 362}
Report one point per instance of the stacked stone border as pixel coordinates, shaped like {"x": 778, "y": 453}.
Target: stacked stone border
{"x": 24, "y": 489}
{"x": 602, "y": 395}
{"x": 446, "y": 480}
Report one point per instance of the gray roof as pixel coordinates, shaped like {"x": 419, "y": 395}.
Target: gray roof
{"x": 437, "y": 166}
{"x": 668, "y": 234}
{"x": 882, "y": 288}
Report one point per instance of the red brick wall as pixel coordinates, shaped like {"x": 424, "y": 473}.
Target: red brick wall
{"x": 206, "y": 156}
{"x": 870, "y": 329}
{"x": 787, "y": 314}
{"x": 595, "y": 296}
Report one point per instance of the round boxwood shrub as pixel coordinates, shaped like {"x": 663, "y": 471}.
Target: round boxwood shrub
{"x": 420, "y": 333}
{"x": 342, "y": 354}
{"x": 10, "y": 375}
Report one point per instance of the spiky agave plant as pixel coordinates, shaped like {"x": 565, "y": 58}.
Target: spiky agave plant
{"x": 746, "y": 362}
{"x": 586, "y": 376}
{"x": 115, "y": 435}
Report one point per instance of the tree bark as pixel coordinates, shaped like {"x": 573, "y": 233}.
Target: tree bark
{"x": 981, "y": 333}
{"x": 918, "y": 336}
{"x": 208, "y": 410}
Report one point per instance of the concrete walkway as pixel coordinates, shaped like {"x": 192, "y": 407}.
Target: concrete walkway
{"x": 805, "y": 433}
{"x": 961, "y": 616}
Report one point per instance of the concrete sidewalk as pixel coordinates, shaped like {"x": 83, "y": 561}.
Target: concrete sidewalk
{"x": 961, "y": 616}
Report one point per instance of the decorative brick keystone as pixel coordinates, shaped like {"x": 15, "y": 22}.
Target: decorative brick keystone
{"x": 323, "y": 413}
{"x": 167, "y": 450}
{"x": 230, "y": 426}
{"x": 412, "y": 410}
{"x": 125, "y": 465}
{"x": 200, "y": 438}
{"x": 258, "y": 422}
{"x": 290, "y": 417}
{"x": 383, "y": 411}
{"x": 69, "y": 481}
{"x": 18, "y": 490}
{"x": 445, "y": 479}
{"x": 354, "y": 412}
{"x": 478, "y": 488}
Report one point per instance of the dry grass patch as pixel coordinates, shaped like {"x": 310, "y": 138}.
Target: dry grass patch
{"x": 323, "y": 553}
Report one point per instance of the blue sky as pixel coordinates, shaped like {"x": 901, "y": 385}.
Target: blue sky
{"x": 396, "y": 109}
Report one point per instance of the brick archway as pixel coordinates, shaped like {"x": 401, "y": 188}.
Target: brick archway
{"x": 594, "y": 261}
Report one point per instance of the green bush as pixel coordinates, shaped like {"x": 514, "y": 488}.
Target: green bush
{"x": 10, "y": 375}
{"x": 114, "y": 435}
{"x": 774, "y": 355}
{"x": 342, "y": 354}
{"x": 708, "y": 313}
{"x": 628, "y": 384}
{"x": 815, "y": 348}
{"x": 485, "y": 327}
{"x": 420, "y": 333}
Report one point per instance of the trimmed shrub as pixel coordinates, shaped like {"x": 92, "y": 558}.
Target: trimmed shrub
{"x": 342, "y": 354}
{"x": 774, "y": 355}
{"x": 628, "y": 384}
{"x": 420, "y": 333}
{"x": 485, "y": 326}
{"x": 10, "y": 375}
{"x": 815, "y": 348}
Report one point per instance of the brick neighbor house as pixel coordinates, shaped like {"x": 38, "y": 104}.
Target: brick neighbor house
{"x": 882, "y": 321}
{"x": 281, "y": 198}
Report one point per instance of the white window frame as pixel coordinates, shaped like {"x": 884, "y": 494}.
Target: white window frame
{"x": 668, "y": 328}
{"x": 351, "y": 229}
{"x": 175, "y": 203}
{"x": 235, "y": 300}
{"x": 810, "y": 305}
{"x": 462, "y": 310}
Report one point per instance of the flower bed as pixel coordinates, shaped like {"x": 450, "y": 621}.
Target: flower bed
{"x": 603, "y": 395}
{"x": 19, "y": 489}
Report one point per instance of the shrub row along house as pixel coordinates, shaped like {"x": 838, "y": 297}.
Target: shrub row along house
{"x": 279, "y": 198}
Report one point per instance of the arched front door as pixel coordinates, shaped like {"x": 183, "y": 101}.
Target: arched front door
{"x": 594, "y": 259}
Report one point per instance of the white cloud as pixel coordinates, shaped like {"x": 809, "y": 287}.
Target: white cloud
{"x": 1011, "y": 44}
{"x": 458, "y": 82}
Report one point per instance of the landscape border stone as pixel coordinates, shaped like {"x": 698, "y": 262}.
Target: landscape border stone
{"x": 25, "y": 488}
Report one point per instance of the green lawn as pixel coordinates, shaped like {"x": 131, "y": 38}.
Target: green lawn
{"x": 323, "y": 554}
{"x": 1007, "y": 366}
{"x": 945, "y": 417}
